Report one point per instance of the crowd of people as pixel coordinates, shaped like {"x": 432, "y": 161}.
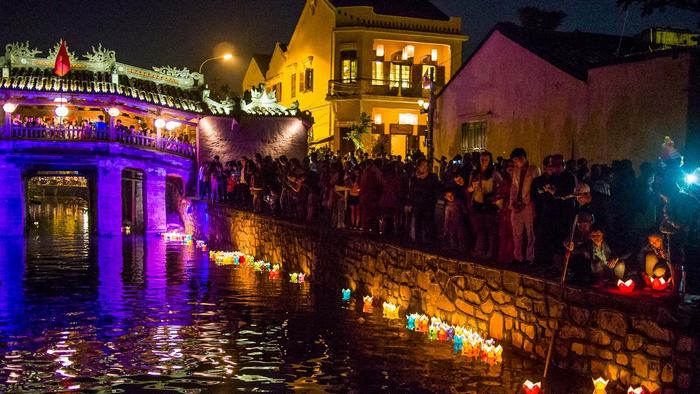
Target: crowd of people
{"x": 97, "y": 125}
{"x": 506, "y": 210}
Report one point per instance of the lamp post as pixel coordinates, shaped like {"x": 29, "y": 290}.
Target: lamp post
{"x": 429, "y": 108}
{"x": 227, "y": 56}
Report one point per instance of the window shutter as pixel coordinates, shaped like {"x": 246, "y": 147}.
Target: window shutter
{"x": 440, "y": 75}
{"x": 302, "y": 86}
{"x": 310, "y": 79}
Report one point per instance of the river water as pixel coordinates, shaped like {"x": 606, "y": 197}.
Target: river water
{"x": 134, "y": 314}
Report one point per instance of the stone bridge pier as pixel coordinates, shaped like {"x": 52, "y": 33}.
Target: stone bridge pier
{"x": 104, "y": 164}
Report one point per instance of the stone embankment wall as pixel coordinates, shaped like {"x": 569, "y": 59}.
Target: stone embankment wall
{"x": 629, "y": 340}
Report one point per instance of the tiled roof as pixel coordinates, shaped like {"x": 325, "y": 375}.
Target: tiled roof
{"x": 422, "y": 9}
{"x": 574, "y": 52}
{"x": 83, "y": 81}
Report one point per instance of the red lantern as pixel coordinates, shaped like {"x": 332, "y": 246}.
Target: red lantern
{"x": 660, "y": 284}
{"x": 638, "y": 390}
{"x": 531, "y": 388}
{"x": 626, "y": 287}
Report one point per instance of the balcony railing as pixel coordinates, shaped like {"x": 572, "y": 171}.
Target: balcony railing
{"x": 90, "y": 134}
{"x": 373, "y": 87}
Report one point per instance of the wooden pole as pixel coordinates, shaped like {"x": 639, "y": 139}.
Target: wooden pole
{"x": 562, "y": 283}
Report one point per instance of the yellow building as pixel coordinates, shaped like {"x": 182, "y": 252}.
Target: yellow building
{"x": 346, "y": 57}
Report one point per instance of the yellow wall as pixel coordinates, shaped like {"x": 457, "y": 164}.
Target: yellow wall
{"x": 253, "y": 76}
{"x": 317, "y": 41}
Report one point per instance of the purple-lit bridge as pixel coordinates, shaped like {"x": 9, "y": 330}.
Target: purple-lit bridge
{"x": 107, "y": 160}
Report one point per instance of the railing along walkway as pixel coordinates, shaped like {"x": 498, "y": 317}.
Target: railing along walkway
{"x": 90, "y": 134}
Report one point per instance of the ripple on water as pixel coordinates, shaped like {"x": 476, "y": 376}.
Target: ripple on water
{"x": 138, "y": 315}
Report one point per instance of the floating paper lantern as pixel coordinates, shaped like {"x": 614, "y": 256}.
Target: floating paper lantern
{"x": 390, "y": 311}
{"x": 491, "y": 353}
{"x": 432, "y": 332}
{"x": 638, "y": 390}
{"x": 442, "y": 332}
{"x": 532, "y": 388}
{"x": 450, "y": 333}
{"x": 346, "y": 295}
{"x": 367, "y": 304}
{"x": 274, "y": 272}
{"x": 301, "y": 277}
{"x": 600, "y": 384}
{"x": 472, "y": 345}
{"x": 660, "y": 284}
{"x": 424, "y": 323}
{"x": 457, "y": 344}
{"x": 294, "y": 277}
{"x": 411, "y": 321}
{"x": 626, "y": 286}
{"x": 201, "y": 245}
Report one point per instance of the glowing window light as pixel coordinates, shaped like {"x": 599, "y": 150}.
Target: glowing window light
{"x": 380, "y": 50}
{"x": 114, "y": 112}
{"x": 61, "y": 111}
{"x": 409, "y": 51}
{"x": 9, "y": 107}
{"x": 434, "y": 55}
{"x": 172, "y": 125}
{"x": 160, "y": 123}
{"x": 378, "y": 119}
{"x": 408, "y": 118}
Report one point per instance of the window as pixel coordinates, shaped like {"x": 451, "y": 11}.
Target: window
{"x": 400, "y": 74}
{"x": 348, "y": 66}
{"x": 408, "y": 118}
{"x": 278, "y": 91}
{"x": 429, "y": 69}
{"x": 293, "y": 82}
{"x": 378, "y": 73}
{"x": 302, "y": 85}
{"x": 309, "y": 80}
{"x": 474, "y": 136}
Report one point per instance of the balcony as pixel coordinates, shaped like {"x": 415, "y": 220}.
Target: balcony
{"x": 339, "y": 89}
{"x": 105, "y": 135}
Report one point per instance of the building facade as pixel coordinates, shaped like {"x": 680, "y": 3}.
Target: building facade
{"x": 579, "y": 94}
{"x": 347, "y": 57}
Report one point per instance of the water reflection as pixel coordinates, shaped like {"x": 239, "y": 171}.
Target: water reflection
{"x": 135, "y": 314}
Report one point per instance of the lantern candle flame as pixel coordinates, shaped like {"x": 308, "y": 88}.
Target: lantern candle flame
{"x": 367, "y": 304}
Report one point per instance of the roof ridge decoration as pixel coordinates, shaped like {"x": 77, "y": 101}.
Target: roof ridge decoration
{"x": 264, "y": 102}
{"x": 223, "y": 107}
{"x": 101, "y": 55}
{"x": 53, "y": 52}
{"x": 175, "y": 72}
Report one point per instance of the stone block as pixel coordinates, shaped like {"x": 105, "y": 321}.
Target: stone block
{"x": 568, "y": 331}
{"x": 540, "y": 308}
{"x": 651, "y": 329}
{"x": 527, "y": 346}
{"x": 481, "y": 315}
{"x": 405, "y": 292}
{"x": 534, "y": 294}
{"x": 579, "y": 315}
{"x": 423, "y": 280}
{"x": 667, "y": 373}
{"x": 611, "y": 321}
{"x": 517, "y": 339}
{"x": 445, "y": 304}
{"x": 598, "y": 367}
{"x": 529, "y": 330}
{"x": 475, "y": 284}
{"x": 501, "y": 297}
{"x": 659, "y": 351}
{"x": 487, "y": 307}
{"x": 640, "y": 365}
{"x": 496, "y": 326}
{"x": 512, "y": 281}
{"x": 577, "y": 348}
{"x": 622, "y": 359}
{"x": 492, "y": 276}
{"x": 472, "y": 297}
{"x": 524, "y": 303}
{"x": 605, "y": 354}
{"x": 634, "y": 342}
{"x": 464, "y": 307}
{"x": 599, "y": 337}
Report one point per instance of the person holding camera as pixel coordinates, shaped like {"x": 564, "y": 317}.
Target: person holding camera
{"x": 483, "y": 186}
{"x": 523, "y": 212}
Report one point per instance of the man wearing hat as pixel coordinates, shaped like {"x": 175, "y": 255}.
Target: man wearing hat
{"x": 586, "y": 203}
{"x": 522, "y": 208}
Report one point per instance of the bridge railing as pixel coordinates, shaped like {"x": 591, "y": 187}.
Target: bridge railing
{"x": 91, "y": 134}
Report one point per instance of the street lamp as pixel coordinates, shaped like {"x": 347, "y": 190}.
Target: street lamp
{"x": 227, "y": 56}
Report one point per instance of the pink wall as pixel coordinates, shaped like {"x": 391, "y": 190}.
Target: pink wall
{"x": 273, "y": 136}
{"x": 528, "y": 102}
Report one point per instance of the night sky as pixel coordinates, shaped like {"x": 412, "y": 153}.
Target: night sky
{"x": 182, "y": 33}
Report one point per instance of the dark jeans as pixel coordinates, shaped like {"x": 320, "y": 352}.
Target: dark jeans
{"x": 424, "y": 223}
{"x": 203, "y": 189}
{"x": 485, "y": 226}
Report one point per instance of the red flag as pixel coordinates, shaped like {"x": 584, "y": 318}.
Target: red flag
{"x": 62, "y": 61}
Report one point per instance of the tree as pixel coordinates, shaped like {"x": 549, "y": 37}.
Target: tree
{"x": 357, "y": 130}
{"x": 538, "y": 18}
{"x": 649, "y": 6}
